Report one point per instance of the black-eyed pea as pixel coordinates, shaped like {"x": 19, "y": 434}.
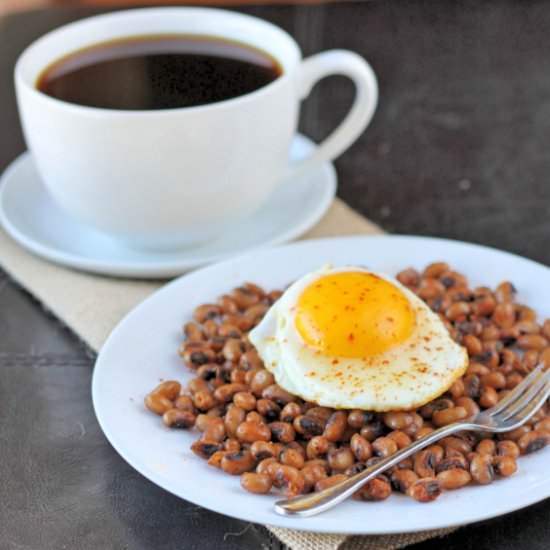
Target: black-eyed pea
{"x": 169, "y": 389}
{"x": 244, "y": 297}
{"x": 397, "y": 420}
{"x": 273, "y": 296}
{"x": 472, "y": 344}
{"x": 263, "y": 449}
{"x": 457, "y": 389}
{"x": 358, "y": 418}
{"x": 259, "y": 484}
{"x": 215, "y": 430}
{"x": 268, "y": 409}
{"x": 236, "y": 377}
{"x": 203, "y": 400}
{"x": 505, "y": 292}
{"x": 312, "y": 473}
{"x": 282, "y": 432}
{"x": 425, "y": 463}
{"x": 184, "y": 403}
{"x": 535, "y": 342}
{"x": 448, "y": 416}
{"x": 277, "y": 394}
{"x": 216, "y": 459}
{"x": 336, "y": 426}
{"x": 209, "y": 372}
{"x": 488, "y": 397}
{"x": 458, "y": 311}
{"x": 417, "y": 424}
{"x": 290, "y": 411}
{"x": 517, "y": 434}
{"x": 401, "y": 438}
{"x": 227, "y": 330}
{"x": 477, "y": 369}
{"x": 453, "y": 479}
{"x": 176, "y": 418}
{"x": 408, "y": 277}
{"x": 508, "y": 448}
{"x": 530, "y": 360}
{"x": 495, "y": 380}
{"x": 327, "y": 482}
{"x": 250, "y": 360}
{"x": 249, "y": 432}
{"x": 405, "y": 464}
{"x": 384, "y": 446}
{"x": 231, "y": 445}
{"x": 232, "y": 349}
{"x": 360, "y": 447}
{"x": 504, "y": 315}
{"x": 237, "y": 463}
{"x": 205, "y": 449}
{"x": 157, "y": 403}
{"x": 232, "y": 419}
{"x": 402, "y": 479}
{"x": 308, "y": 426}
{"x": 543, "y": 425}
{"x": 354, "y": 469}
{"x": 425, "y": 489}
{"x": 266, "y": 466}
{"x": 228, "y": 305}
{"x": 533, "y": 441}
{"x": 196, "y": 354}
{"x": 505, "y": 466}
{"x": 376, "y": 489}
{"x": 255, "y": 416}
{"x": 481, "y": 468}
{"x": 262, "y": 379}
{"x": 255, "y": 313}
{"x": 198, "y": 384}
{"x": 193, "y": 332}
{"x": 289, "y": 479}
{"x": 340, "y": 459}
{"x": 486, "y": 447}
{"x": 456, "y": 443}
{"x": 225, "y": 393}
{"x": 435, "y": 269}
{"x": 318, "y": 462}
{"x": 318, "y": 446}
{"x": 202, "y": 421}
{"x": 457, "y": 460}
{"x": 469, "y": 404}
{"x": 372, "y": 430}
{"x": 430, "y": 288}
{"x": 292, "y": 457}
{"x": 205, "y": 312}
{"x": 322, "y": 413}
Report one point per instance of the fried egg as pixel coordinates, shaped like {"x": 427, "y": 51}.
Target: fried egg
{"x": 352, "y": 338}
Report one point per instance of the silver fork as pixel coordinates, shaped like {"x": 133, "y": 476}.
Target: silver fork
{"x": 510, "y": 413}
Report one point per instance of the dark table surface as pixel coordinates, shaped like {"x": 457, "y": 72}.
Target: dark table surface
{"x": 457, "y": 148}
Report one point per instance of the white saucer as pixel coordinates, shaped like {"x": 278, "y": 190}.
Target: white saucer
{"x": 35, "y": 221}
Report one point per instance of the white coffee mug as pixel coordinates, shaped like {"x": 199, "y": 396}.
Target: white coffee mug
{"x": 168, "y": 178}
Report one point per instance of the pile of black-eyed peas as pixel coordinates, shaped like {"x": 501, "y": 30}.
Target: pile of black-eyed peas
{"x": 249, "y": 426}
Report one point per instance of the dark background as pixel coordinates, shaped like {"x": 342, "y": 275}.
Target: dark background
{"x": 458, "y": 148}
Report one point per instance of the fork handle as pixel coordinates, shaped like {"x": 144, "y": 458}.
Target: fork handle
{"x": 314, "y": 503}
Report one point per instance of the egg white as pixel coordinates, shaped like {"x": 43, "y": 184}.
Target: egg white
{"x": 402, "y": 378}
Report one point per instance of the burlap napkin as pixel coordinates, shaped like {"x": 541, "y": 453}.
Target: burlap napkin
{"x": 92, "y": 305}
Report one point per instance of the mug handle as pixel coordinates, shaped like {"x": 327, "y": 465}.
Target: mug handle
{"x": 345, "y": 63}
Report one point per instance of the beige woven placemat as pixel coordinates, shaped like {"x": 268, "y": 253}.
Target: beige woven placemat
{"x": 92, "y": 305}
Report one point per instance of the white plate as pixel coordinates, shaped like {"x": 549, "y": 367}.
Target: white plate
{"x": 35, "y": 221}
{"x": 142, "y": 350}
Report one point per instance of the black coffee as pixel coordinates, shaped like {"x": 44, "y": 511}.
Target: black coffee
{"x": 158, "y": 72}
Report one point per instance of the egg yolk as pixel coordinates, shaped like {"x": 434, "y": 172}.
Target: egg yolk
{"x": 353, "y": 314}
